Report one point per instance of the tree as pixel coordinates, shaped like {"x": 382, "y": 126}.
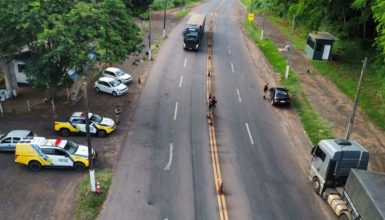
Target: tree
{"x": 59, "y": 34}
{"x": 379, "y": 15}
{"x": 138, "y": 6}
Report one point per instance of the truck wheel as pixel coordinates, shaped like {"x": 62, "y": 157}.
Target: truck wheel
{"x": 316, "y": 185}
{"x": 78, "y": 166}
{"x": 343, "y": 216}
{"x": 64, "y": 132}
{"x": 101, "y": 133}
{"x": 34, "y": 166}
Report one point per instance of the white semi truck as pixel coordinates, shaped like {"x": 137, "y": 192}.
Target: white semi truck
{"x": 338, "y": 174}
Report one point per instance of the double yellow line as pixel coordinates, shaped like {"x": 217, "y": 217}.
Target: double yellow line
{"x": 213, "y": 142}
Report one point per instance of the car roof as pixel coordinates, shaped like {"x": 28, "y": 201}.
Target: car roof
{"x": 280, "y": 89}
{"x": 18, "y": 133}
{"x": 106, "y": 79}
{"x": 81, "y": 114}
{"x": 43, "y": 142}
{"x": 112, "y": 69}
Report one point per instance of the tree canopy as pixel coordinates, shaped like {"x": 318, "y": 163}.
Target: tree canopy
{"x": 59, "y": 34}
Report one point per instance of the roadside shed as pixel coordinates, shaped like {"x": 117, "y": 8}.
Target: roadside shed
{"x": 319, "y": 45}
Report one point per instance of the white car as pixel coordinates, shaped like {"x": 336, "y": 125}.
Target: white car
{"x": 110, "y": 85}
{"x": 117, "y": 74}
{"x": 8, "y": 142}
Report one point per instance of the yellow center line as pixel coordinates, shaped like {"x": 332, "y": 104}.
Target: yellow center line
{"x": 213, "y": 142}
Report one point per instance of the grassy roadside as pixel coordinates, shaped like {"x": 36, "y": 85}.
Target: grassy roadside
{"x": 88, "y": 205}
{"x": 344, "y": 71}
{"x": 315, "y": 127}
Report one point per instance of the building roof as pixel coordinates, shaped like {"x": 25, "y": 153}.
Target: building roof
{"x": 322, "y": 36}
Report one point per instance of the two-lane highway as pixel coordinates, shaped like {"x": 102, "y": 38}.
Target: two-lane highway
{"x": 165, "y": 169}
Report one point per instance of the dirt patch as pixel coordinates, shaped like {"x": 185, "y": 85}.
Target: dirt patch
{"x": 51, "y": 193}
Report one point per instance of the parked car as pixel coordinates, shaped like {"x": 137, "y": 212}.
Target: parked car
{"x": 117, "y": 74}
{"x": 8, "y": 142}
{"x": 100, "y": 126}
{"x": 110, "y": 85}
{"x": 279, "y": 96}
{"x": 39, "y": 152}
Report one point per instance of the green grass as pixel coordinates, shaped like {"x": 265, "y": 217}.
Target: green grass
{"x": 315, "y": 126}
{"x": 181, "y": 14}
{"x": 345, "y": 77}
{"x": 299, "y": 34}
{"x": 88, "y": 204}
{"x": 159, "y": 4}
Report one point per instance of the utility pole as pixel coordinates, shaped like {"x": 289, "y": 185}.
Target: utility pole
{"x": 149, "y": 34}
{"x": 164, "y": 19}
{"x": 289, "y": 48}
{"x": 263, "y": 20}
{"x": 350, "y": 125}
{"x": 184, "y": 5}
{"x": 90, "y": 159}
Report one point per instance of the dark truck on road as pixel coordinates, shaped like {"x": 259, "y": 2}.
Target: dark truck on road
{"x": 193, "y": 32}
{"x": 338, "y": 174}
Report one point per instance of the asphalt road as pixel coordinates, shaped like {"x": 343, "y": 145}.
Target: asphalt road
{"x": 164, "y": 170}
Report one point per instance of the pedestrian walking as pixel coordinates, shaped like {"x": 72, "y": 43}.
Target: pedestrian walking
{"x": 213, "y": 104}
{"x": 117, "y": 112}
{"x": 265, "y": 88}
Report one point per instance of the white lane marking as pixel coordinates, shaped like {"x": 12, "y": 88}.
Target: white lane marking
{"x": 167, "y": 167}
{"x": 185, "y": 62}
{"x": 248, "y": 131}
{"x": 176, "y": 110}
{"x": 180, "y": 81}
{"x": 229, "y": 50}
{"x": 239, "y": 96}
{"x": 232, "y": 67}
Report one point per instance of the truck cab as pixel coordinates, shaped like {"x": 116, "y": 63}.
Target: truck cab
{"x": 332, "y": 161}
{"x": 193, "y": 32}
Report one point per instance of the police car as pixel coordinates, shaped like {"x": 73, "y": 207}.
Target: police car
{"x": 39, "y": 152}
{"x": 100, "y": 126}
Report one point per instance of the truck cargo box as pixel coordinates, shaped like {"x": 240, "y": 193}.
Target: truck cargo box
{"x": 366, "y": 190}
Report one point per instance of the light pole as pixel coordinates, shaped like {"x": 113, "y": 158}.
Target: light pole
{"x": 149, "y": 34}
{"x": 164, "y": 18}
{"x": 350, "y": 125}
{"x": 91, "y": 163}
{"x": 289, "y": 48}
{"x": 263, "y": 19}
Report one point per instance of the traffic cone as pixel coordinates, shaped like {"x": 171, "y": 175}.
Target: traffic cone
{"x": 98, "y": 188}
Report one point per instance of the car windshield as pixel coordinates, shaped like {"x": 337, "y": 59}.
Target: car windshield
{"x": 282, "y": 94}
{"x": 191, "y": 34}
{"x": 119, "y": 73}
{"x": 71, "y": 147}
{"x": 96, "y": 118}
{"x": 115, "y": 83}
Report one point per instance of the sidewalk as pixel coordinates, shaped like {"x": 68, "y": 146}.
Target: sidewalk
{"x": 331, "y": 103}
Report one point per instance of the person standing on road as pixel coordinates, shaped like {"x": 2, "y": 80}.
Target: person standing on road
{"x": 213, "y": 104}
{"x": 265, "y": 88}
{"x": 117, "y": 112}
